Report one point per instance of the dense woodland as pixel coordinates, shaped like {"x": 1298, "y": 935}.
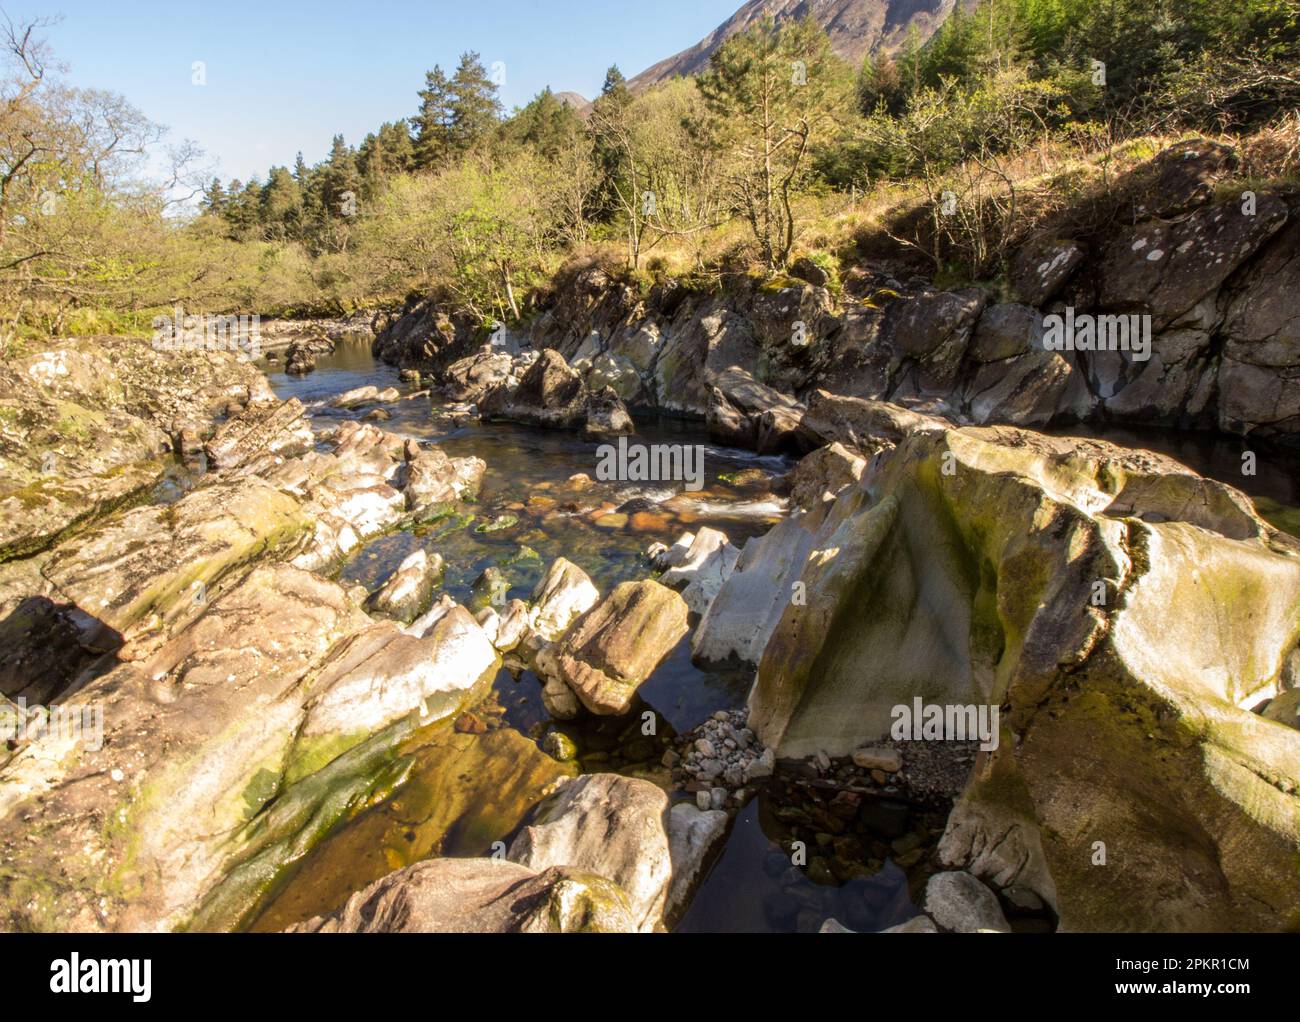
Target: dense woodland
{"x": 780, "y": 150}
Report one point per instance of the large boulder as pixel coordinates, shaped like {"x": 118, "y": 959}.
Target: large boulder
{"x": 621, "y": 828}
{"x": 383, "y": 673}
{"x": 132, "y": 830}
{"x": 749, "y": 604}
{"x": 822, "y": 474}
{"x": 960, "y": 903}
{"x": 560, "y": 597}
{"x": 469, "y": 378}
{"x": 433, "y": 478}
{"x": 1259, "y": 378}
{"x": 612, "y": 649}
{"x": 707, "y": 563}
{"x": 224, "y": 757}
{"x": 550, "y": 393}
{"x": 480, "y": 896}
{"x": 1084, "y": 590}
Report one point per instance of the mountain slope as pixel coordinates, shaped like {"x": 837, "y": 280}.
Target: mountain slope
{"x": 855, "y": 27}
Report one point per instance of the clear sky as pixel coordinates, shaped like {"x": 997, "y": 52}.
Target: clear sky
{"x": 286, "y": 75}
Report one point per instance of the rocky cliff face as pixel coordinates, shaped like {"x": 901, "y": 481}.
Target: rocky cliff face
{"x": 856, "y": 28}
{"x": 1213, "y": 278}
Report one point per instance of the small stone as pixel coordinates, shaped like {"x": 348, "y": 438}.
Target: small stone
{"x": 704, "y": 799}
{"x": 559, "y": 746}
{"x": 469, "y": 724}
{"x": 763, "y": 766}
{"x": 705, "y": 748}
{"x": 845, "y": 805}
{"x": 888, "y": 760}
{"x": 718, "y": 797}
{"x": 670, "y": 758}
{"x": 879, "y": 776}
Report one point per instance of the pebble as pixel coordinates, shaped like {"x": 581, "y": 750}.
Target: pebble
{"x": 888, "y": 760}
{"x": 704, "y": 799}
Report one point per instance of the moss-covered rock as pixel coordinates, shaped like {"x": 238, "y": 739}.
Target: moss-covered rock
{"x": 1120, "y": 610}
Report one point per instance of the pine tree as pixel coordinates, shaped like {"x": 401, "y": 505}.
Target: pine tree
{"x": 383, "y": 154}
{"x": 769, "y": 119}
{"x": 214, "y": 198}
{"x": 616, "y": 86}
{"x": 433, "y": 122}
{"x": 281, "y": 206}
{"x": 546, "y": 124}
{"x": 339, "y": 179}
{"x": 475, "y": 109}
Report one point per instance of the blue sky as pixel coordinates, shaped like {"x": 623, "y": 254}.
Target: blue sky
{"x": 285, "y": 76}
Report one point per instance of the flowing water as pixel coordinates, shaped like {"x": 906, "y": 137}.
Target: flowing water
{"x": 468, "y": 793}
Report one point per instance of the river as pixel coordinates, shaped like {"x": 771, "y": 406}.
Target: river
{"x": 467, "y": 793}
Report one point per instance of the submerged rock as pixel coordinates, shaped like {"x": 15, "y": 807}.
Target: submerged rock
{"x": 461, "y": 794}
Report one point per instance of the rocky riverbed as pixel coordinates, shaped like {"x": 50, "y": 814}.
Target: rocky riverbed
{"x": 328, "y": 643}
